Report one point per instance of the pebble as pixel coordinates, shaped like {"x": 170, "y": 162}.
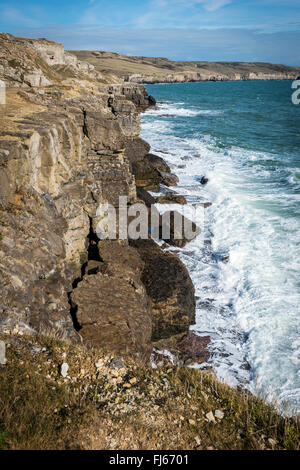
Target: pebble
{"x": 198, "y": 440}
{"x": 219, "y": 414}
{"x": 99, "y": 364}
{"x": 210, "y": 417}
{"x": 64, "y": 369}
{"x": 2, "y": 353}
{"x": 272, "y": 442}
{"x": 192, "y": 422}
{"x": 133, "y": 381}
{"x": 116, "y": 364}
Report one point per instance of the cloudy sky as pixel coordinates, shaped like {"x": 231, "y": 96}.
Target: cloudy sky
{"x": 229, "y": 30}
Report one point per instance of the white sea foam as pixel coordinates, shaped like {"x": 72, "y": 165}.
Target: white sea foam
{"x": 172, "y": 109}
{"x": 246, "y": 275}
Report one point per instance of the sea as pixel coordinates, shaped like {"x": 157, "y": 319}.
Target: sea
{"x": 244, "y": 137}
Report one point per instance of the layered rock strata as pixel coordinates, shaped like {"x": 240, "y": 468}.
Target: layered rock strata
{"x": 64, "y": 150}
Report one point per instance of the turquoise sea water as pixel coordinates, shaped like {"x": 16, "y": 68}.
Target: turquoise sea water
{"x": 245, "y": 137}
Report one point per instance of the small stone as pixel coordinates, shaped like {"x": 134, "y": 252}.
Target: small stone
{"x": 133, "y": 381}
{"x": 272, "y": 442}
{"x": 210, "y": 417}
{"x": 99, "y": 364}
{"x": 64, "y": 369}
{"x": 126, "y": 385}
{"x": 181, "y": 418}
{"x": 219, "y": 414}
{"x": 205, "y": 396}
{"x": 198, "y": 441}
{"x": 204, "y": 180}
{"x": 116, "y": 364}
{"x": 192, "y": 422}
{"x": 2, "y": 353}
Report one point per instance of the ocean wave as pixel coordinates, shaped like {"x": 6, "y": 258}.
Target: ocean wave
{"x": 172, "y": 109}
{"x": 249, "y": 304}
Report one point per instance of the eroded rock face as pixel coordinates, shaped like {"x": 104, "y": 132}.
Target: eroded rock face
{"x": 112, "y": 307}
{"x": 61, "y": 155}
{"x": 170, "y": 289}
{"x": 64, "y": 151}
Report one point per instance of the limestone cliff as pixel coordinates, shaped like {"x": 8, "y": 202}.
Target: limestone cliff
{"x": 135, "y": 69}
{"x": 64, "y": 149}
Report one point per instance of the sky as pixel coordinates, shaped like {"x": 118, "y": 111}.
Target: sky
{"x": 213, "y": 30}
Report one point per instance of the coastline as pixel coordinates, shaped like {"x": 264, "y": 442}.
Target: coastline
{"x": 79, "y": 316}
{"x": 147, "y": 81}
{"x": 240, "y": 285}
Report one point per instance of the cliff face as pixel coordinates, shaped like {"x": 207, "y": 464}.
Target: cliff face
{"x": 64, "y": 149}
{"x": 161, "y": 70}
{"x": 204, "y": 77}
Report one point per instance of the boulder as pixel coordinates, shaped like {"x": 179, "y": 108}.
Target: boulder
{"x": 152, "y": 101}
{"x": 136, "y": 149}
{"x": 171, "y": 198}
{"x": 169, "y": 179}
{"x": 173, "y": 226}
{"x": 194, "y": 347}
{"x": 144, "y": 196}
{"x": 146, "y": 175}
{"x": 170, "y": 288}
{"x": 151, "y": 171}
{"x": 112, "y": 307}
{"x": 203, "y": 180}
{"x": 158, "y": 163}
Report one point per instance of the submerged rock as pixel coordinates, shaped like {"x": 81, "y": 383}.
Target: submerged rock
{"x": 204, "y": 180}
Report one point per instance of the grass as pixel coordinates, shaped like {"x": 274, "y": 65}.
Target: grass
{"x": 122, "y": 65}
{"x": 140, "y": 408}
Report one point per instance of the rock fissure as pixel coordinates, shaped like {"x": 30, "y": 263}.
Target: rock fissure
{"x": 64, "y": 150}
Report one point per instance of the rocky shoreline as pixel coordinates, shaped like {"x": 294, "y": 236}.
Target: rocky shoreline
{"x": 199, "y": 77}
{"x": 70, "y": 141}
{"x": 134, "y": 69}
{"x": 92, "y": 331}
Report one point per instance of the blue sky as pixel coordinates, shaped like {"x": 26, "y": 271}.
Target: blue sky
{"x": 230, "y": 30}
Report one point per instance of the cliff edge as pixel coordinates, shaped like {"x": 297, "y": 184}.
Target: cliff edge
{"x": 69, "y": 142}
{"x": 161, "y": 70}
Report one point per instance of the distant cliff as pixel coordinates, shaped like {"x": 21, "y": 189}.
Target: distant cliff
{"x": 161, "y": 70}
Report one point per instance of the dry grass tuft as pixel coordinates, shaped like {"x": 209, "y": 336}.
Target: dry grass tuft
{"x": 130, "y": 408}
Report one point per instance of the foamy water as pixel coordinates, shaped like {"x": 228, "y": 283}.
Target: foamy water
{"x": 246, "y": 273}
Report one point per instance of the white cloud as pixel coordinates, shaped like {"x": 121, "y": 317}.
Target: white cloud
{"x": 213, "y": 5}
{"x": 14, "y": 16}
{"x": 209, "y": 5}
